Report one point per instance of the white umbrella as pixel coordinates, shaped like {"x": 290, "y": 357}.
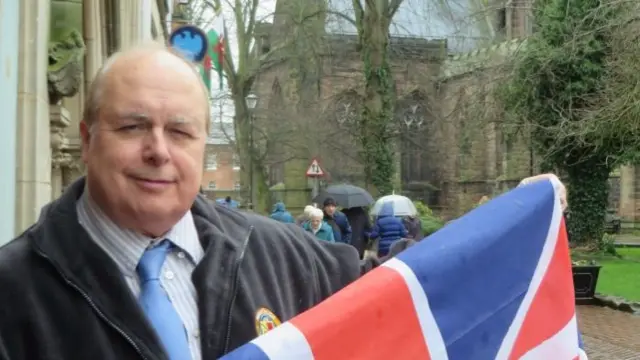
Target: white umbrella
{"x": 402, "y": 205}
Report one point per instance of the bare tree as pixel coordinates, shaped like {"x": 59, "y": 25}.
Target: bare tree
{"x": 243, "y": 61}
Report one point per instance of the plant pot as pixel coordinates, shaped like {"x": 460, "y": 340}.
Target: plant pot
{"x": 585, "y": 279}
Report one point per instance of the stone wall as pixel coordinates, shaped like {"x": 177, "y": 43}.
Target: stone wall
{"x": 456, "y": 154}
{"x": 481, "y": 158}
{"x": 459, "y": 153}
{"x": 325, "y": 129}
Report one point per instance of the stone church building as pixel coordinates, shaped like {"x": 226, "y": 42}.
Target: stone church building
{"x": 450, "y": 150}
{"x": 445, "y": 156}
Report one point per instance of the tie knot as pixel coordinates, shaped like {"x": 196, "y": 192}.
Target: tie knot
{"x": 152, "y": 260}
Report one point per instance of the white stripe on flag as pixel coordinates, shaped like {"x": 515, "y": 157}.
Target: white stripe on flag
{"x": 285, "y": 342}
{"x": 430, "y": 329}
{"x": 541, "y": 269}
{"x": 562, "y": 346}
{"x": 583, "y": 355}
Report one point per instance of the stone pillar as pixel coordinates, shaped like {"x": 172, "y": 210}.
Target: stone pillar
{"x": 33, "y": 178}
{"x": 9, "y": 46}
{"x": 129, "y": 31}
{"x": 145, "y": 20}
{"x": 92, "y": 32}
{"x": 59, "y": 121}
{"x": 627, "y": 192}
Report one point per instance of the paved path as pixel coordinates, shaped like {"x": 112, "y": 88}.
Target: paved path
{"x": 628, "y": 239}
{"x": 609, "y": 334}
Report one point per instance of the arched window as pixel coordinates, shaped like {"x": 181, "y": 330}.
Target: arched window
{"x": 413, "y": 118}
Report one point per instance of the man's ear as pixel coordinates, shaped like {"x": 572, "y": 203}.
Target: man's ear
{"x": 85, "y": 136}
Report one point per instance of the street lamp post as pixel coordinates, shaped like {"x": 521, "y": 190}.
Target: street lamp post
{"x": 252, "y": 101}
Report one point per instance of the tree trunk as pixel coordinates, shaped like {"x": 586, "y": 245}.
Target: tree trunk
{"x": 249, "y": 159}
{"x": 375, "y": 127}
{"x": 588, "y": 193}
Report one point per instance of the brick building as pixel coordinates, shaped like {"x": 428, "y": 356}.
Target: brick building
{"x": 221, "y": 165}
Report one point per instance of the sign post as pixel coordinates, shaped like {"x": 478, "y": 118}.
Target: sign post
{"x": 315, "y": 172}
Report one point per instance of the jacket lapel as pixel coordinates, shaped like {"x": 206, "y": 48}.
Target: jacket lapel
{"x": 61, "y": 239}
{"x": 216, "y": 277}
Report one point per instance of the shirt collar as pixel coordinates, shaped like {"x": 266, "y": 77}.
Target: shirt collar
{"x": 125, "y": 246}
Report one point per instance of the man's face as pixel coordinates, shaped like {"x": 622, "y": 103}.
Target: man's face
{"x": 144, "y": 153}
{"x": 330, "y": 209}
{"x": 315, "y": 222}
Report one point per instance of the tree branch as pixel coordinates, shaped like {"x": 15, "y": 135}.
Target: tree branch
{"x": 394, "y": 5}
{"x": 359, "y": 14}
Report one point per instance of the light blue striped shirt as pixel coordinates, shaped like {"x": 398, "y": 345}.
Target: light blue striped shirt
{"x": 126, "y": 247}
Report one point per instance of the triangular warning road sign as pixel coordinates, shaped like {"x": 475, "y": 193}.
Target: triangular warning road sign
{"x": 315, "y": 169}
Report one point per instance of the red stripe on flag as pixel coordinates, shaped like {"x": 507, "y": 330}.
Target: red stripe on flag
{"x": 553, "y": 305}
{"x": 373, "y": 318}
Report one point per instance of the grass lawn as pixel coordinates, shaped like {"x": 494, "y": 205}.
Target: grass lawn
{"x": 619, "y": 276}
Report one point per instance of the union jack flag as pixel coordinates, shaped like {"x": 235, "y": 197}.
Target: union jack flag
{"x": 494, "y": 284}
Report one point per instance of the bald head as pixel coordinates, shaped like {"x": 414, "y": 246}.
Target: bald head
{"x": 154, "y": 56}
{"x": 143, "y": 138}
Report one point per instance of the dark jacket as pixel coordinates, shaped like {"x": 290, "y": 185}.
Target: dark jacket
{"x": 360, "y": 227}
{"x": 281, "y": 214}
{"x": 340, "y": 225}
{"x": 413, "y": 226}
{"x": 388, "y": 229}
{"x": 62, "y": 297}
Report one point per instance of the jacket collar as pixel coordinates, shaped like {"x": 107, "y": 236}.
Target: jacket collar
{"x": 59, "y": 237}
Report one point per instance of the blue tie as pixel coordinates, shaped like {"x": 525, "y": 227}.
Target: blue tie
{"x": 157, "y": 305}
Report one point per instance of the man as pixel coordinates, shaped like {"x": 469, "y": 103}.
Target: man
{"x": 337, "y": 220}
{"x": 360, "y": 227}
{"x": 131, "y": 262}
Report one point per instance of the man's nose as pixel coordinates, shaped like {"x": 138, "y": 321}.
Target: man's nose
{"x": 156, "y": 147}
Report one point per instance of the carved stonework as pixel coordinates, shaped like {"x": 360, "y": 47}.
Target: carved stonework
{"x": 61, "y": 152}
{"x": 62, "y": 161}
{"x": 59, "y": 120}
{"x": 66, "y": 49}
{"x": 413, "y": 116}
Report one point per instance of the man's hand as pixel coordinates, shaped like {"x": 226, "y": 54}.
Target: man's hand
{"x": 561, "y": 188}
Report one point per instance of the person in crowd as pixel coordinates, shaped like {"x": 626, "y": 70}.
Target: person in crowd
{"x": 388, "y": 228}
{"x": 131, "y": 262}
{"x": 281, "y": 214}
{"x": 414, "y": 227}
{"x": 337, "y": 220}
{"x": 228, "y": 201}
{"x": 360, "y": 227}
{"x": 305, "y": 216}
{"x": 318, "y": 227}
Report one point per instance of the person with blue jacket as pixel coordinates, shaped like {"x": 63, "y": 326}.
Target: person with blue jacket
{"x": 388, "y": 229}
{"x": 318, "y": 227}
{"x": 281, "y": 214}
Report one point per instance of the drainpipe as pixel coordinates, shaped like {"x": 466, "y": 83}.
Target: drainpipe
{"x": 9, "y": 47}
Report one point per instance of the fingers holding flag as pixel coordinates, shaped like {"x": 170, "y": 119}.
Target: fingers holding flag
{"x": 561, "y": 189}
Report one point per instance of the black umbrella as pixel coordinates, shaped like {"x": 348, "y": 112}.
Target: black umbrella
{"x": 347, "y": 196}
